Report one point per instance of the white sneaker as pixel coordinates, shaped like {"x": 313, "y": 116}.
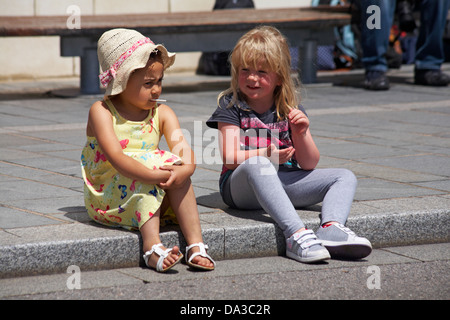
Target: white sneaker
{"x": 304, "y": 247}
{"x": 343, "y": 243}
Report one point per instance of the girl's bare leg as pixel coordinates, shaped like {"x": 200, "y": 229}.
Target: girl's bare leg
{"x": 150, "y": 237}
{"x": 184, "y": 205}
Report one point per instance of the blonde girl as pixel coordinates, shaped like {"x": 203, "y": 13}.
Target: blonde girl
{"x": 129, "y": 181}
{"x": 270, "y": 156}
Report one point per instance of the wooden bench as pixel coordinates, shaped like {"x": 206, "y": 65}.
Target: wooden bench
{"x": 183, "y": 32}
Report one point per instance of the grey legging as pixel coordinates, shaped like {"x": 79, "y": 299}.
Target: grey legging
{"x": 256, "y": 184}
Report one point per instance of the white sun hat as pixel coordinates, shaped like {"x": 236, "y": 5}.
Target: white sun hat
{"x": 121, "y": 51}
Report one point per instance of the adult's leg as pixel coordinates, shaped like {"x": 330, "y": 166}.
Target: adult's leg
{"x": 374, "y": 40}
{"x": 430, "y": 48}
{"x": 376, "y": 21}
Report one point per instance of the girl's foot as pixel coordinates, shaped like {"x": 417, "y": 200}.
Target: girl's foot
{"x": 162, "y": 259}
{"x": 197, "y": 257}
{"x": 343, "y": 243}
{"x": 303, "y": 246}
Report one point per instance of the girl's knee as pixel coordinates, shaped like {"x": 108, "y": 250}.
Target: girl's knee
{"x": 348, "y": 176}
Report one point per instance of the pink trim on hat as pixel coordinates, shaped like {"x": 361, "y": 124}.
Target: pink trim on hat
{"x": 108, "y": 75}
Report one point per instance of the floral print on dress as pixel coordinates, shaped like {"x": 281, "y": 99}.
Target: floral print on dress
{"x": 115, "y": 200}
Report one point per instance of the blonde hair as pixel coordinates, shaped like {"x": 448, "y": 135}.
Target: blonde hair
{"x": 268, "y": 45}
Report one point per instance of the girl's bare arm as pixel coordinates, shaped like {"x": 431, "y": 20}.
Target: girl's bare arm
{"x": 100, "y": 125}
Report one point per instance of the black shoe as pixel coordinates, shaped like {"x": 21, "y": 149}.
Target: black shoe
{"x": 431, "y": 77}
{"x": 376, "y": 80}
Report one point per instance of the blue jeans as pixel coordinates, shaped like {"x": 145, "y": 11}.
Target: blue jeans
{"x": 256, "y": 184}
{"x": 429, "y": 49}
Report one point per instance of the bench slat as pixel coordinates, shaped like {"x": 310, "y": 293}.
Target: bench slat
{"x": 184, "y": 31}
{"x": 229, "y": 20}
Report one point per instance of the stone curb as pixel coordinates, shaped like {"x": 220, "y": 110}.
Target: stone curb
{"x": 80, "y": 244}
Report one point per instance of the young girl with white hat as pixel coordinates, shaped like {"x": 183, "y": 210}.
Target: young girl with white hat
{"x": 129, "y": 181}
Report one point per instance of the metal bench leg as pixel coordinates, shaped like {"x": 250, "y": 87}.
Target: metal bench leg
{"x": 308, "y": 61}
{"x": 89, "y": 70}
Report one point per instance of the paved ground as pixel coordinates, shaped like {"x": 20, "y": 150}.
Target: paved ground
{"x": 395, "y": 273}
{"x": 397, "y": 142}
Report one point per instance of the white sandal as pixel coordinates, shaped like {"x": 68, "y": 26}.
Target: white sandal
{"x": 162, "y": 255}
{"x": 202, "y": 253}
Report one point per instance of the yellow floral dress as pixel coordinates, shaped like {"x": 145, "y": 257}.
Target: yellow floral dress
{"x": 112, "y": 199}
